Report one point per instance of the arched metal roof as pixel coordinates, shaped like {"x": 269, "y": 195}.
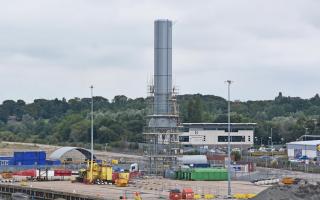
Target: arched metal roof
{"x": 57, "y": 154}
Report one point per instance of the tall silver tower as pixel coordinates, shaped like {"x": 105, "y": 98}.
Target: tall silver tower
{"x": 163, "y": 116}
{"x": 163, "y": 119}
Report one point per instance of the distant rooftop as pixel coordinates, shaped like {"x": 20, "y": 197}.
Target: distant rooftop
{"x": 219, "y": 125}
{"x": 310, "y": 142}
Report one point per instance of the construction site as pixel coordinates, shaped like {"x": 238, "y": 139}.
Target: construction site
{"x": 165, "y": 170}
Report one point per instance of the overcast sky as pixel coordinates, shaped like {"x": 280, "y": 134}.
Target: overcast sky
{"x": 54, "y": 49}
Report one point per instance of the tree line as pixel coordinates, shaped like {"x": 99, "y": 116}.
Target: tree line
{"x": 122, "y": 119}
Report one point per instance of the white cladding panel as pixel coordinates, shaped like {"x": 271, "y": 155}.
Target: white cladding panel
{"x": 290, "y": 153}
{"x": 309, "y": 153}
{"x": 302, "y": 148}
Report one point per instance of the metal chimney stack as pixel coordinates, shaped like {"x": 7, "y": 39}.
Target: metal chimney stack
{"x": 162, "y": 66}
{"x": 163, "y": 127}
{"x": 164, "y": 113}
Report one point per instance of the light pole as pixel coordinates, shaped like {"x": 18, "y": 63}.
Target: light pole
{"x": 315, "y": 126}
{"x": 91, "y": 165}
{"x": 271, "y": 142}
{"x": 305, "y": 134}
{"x": 229, "y": 147}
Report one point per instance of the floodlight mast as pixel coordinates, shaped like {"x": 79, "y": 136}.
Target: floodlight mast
{"x": 229, "y": 145}
{"x": 91, "y": 165}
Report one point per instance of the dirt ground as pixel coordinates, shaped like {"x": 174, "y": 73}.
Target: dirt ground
{"x": 7, "y": 149}
{"x": 150, "y": 188}
{"x": 301, "y": 191}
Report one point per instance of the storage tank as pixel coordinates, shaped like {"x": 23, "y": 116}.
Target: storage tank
{"x": 193, "y": 159}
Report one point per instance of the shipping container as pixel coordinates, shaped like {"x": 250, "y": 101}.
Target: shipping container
{"x": 29, "y": 158}
{"x": 202, "y": 174}
{"x": 62, "y": 172}
{"x": 209, "y": 174}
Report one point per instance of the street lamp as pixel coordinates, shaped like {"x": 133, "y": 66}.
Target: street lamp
{"x": 271, "y": 142}
{"x": 315, "y": 126}
{"x": 229, "y": 147}
{"x": 91, "y": 165}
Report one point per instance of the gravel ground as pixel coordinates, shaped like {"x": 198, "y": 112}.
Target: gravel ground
{"x": 301, "y": 191}
{"x": 150, "y": 188}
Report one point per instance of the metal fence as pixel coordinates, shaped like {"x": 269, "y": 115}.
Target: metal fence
{"x": 283, "y": 163}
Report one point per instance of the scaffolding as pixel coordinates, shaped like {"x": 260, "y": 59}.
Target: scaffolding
{"x": 163, "y": 145}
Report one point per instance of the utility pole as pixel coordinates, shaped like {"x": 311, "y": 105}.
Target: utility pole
{"x": 229, "y": 146}
{"x": 91, "y": 165}
{"x": 305, "y": 150}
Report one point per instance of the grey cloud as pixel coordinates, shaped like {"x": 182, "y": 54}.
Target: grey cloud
{"x": 259, "y": 44}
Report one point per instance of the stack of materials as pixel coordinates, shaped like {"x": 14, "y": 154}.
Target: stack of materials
{"x": 202, "y": 174}
{"x": 299, "y": 191}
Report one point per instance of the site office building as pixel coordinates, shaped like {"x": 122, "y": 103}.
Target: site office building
{"x": 311, "y": 149}
{"x": 216, "y": 134}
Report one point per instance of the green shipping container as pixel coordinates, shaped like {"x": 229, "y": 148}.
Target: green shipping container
{"x": 209, "y": 174}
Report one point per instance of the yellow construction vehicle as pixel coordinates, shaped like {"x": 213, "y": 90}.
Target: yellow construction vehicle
{"x": 106, "y": 172}
{"x": 101, "y": 173}
{"x": 123, "y": 179}
{"x": 114, "y": 162}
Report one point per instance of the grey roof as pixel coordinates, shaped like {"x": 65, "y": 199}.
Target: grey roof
{"x": 57, "y": 154}
{"x": 219, "y": 125}
{"x": 310, "y": 142}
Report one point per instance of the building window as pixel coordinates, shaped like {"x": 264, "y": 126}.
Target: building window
{"x": 183, "y": 138}
{"x": 232, "y": 139}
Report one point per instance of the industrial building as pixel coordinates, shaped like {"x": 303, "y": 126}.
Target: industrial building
{"x": 216, "y": 134}
{"x": 297, "y": 149}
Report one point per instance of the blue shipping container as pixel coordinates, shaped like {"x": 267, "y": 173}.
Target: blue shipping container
{"x": 30, "y": 155}
{"x": 18, "y": 155}
{"x": 5, "y": 160}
